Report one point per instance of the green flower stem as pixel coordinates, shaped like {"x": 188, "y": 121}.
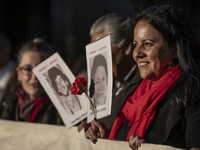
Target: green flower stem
{"x": 84, "y": 89}
{"x": 91, "y": 106}
{"x": 95, "y": 117}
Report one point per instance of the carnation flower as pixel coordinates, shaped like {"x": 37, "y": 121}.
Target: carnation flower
{"x": 80, "y": 86}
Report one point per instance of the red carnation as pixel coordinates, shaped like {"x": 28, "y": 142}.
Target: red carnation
{"x": 79, "y": 86}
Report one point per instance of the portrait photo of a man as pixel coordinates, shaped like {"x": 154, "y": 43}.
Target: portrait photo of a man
{"x": 62, "y": 88}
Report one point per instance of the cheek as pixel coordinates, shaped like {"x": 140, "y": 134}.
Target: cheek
{"x": 158, "y": 65}
{"x": 104, "y": 83}
{"x": 24, "y": 83}
{"x": 97, "y": 87}
{"x": 156, "y": 68}
{"x": 19, "y": 76}
{"x": 63, "y": 84}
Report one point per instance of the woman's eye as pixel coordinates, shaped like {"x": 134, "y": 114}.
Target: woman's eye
{"x": 134, "y": 45}
{"x": 147, "y": 44}
{"x": 97, "y": 82}
{"x": 28, "y": 69}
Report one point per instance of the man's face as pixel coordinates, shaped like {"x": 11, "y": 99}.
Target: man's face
{"x": 61, "y": 85}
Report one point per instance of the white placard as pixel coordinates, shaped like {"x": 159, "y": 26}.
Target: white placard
{"x": 56, "y": 79}
{"x": 100, "y": 80}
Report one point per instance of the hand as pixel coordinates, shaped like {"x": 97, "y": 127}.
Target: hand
{"x": 91, "y": 133}
{"x": 84, "y": 125}
{"x": 135, "y": 141}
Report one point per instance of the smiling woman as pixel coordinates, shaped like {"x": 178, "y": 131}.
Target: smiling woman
{"x": 165, "y": 107}
{"x": 151, "y": 52}
{"x": 27, "y": 100}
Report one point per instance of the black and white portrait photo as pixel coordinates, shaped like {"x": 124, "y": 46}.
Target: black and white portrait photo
{"x": 99, "y": 77}
{"x": 62, "y": 87}
{"x": 56, "y": 79}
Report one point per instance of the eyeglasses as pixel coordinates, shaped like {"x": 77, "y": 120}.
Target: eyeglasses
{"x": 25, "y": 70}
{"x": 157, "y": 9}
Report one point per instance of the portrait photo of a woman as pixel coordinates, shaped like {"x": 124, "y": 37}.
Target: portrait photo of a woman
{"x": 62, "y": 87}
{"x": 99, "y": 80}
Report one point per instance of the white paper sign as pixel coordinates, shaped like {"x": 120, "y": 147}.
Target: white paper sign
{"x": 56, "y": 79}
{"x": 100, "y": 80}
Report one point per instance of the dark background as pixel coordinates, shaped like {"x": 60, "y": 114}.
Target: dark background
{"x": 66, "y": 23}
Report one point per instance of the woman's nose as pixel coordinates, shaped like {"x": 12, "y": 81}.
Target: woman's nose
{"x": 102, "y": 84}
{"x": 33, "y": 76}
{"x": 138, "y": 52}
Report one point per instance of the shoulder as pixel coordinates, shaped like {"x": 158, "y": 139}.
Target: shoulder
{"x": 9, "y": 99}
{"x": 169, "y": 123}
{"x": 8, "y": 106}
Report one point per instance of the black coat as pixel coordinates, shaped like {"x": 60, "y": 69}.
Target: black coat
{"x": 47, "y": 113}
{"x": 118, "y": 99}
{"x": 172, "y": 125}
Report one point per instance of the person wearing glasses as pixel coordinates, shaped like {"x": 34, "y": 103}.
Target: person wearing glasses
{"x": 165, "y": 108}
{"x": 25, "y": 99}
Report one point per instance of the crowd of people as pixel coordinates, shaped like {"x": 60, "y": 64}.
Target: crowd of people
{"x": 156, "y": 77}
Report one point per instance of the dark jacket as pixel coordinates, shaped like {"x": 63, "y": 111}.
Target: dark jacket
{"x": 172, "y": 125}
{"x": 175, "y": 126}
{"x": 47, "y": 113}
{"x": 118, "y": 99}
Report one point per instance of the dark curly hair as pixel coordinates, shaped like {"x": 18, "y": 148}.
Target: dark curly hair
{"x": 53, "y": 73}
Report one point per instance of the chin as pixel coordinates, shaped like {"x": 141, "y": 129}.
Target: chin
{"x": 38, "y": 93}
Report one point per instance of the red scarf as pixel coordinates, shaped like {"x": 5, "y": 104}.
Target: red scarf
{"x": 140, "y": 108}
{"x": 28, "y": 109}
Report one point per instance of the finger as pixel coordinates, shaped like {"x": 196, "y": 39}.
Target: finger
{"x": 101, "y": 128}
{"x": 92, "y": 133}
{"x": 131, "y": 137}
{"x": 135, "y": 142}
{"x": 81, "y": 125}
{"x": 139, "y": 142}
{"x": 93, "y": 125}
{"x": 132, "y": 144}
{"x": 87, "y": 135}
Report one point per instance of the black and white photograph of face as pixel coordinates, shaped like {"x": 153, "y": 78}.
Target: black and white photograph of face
{"x": 62, "y": 85}
{"x": 59, "y": 81}
{"x": 99, "y": 75}
{"x": 56, "y": 78}
{"x": 62, "y": 88}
